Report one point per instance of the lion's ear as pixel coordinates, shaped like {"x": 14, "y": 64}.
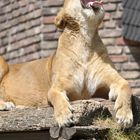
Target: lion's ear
{"x": 59, "y": 20}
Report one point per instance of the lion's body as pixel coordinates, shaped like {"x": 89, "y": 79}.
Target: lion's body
{"x": 26, "y": 84}
{"x": 79, "y": 68}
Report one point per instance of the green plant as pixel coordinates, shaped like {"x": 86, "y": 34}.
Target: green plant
{"x": 121, "y": 135}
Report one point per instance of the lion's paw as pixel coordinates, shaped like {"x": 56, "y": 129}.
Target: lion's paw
{"x": 6, "y": 106}
{"x": 64, "y": 116}
{"x": 124, "y": 116}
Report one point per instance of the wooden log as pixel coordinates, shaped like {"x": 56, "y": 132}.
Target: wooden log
{"x": 84, "y": 116}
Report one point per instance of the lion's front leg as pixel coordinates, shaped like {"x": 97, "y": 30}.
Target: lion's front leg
{"x": 122, "y": 107}
{"x": 121, "y": 93}
{"x": 62, "y": 107}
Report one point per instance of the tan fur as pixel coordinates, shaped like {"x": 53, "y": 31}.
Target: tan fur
{"x": 79, "y": 68}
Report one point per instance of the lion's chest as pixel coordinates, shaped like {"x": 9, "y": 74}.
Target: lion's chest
{"x": 83, "y": 81}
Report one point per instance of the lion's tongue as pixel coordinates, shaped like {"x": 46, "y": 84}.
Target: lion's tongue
{"x": 95, "y": 4}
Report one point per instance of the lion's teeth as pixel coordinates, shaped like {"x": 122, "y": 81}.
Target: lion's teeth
{"x": 89, "y": 4}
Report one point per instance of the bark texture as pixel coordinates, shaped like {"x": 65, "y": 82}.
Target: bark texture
{"x": 89, "y": 119}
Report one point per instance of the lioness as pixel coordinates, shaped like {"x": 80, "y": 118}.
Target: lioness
{"x": 78, "y": 70}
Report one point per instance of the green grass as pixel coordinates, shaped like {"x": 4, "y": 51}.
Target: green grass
{"x": 120, "y": 135}
{"x": 115, "y": 132}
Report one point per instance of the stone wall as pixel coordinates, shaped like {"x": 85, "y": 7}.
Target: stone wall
{"x": 26, "y": 29}
{"x": 27, "y": 32}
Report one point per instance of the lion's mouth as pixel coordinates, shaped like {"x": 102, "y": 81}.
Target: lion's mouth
{"x": 94, "y": 4}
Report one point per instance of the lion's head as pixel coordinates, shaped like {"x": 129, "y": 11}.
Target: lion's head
{"x": 82, "y": 13}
